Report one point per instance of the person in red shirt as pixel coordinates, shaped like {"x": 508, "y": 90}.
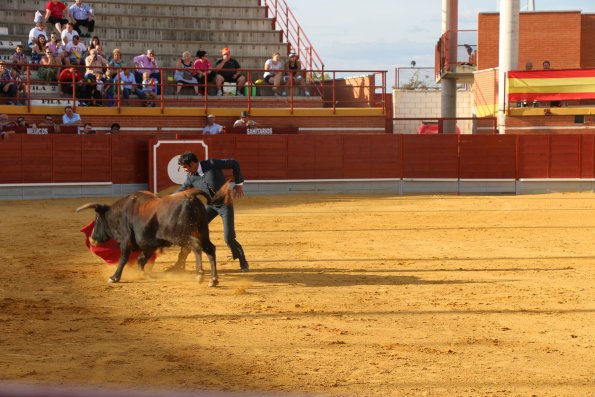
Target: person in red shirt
{"x": 66, "y": 79}
{"x": 54, "y": 14}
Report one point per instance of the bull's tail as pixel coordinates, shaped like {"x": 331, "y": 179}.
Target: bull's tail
{"x": 223, "y": 194}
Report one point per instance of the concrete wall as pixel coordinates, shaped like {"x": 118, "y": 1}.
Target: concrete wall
{"x": 420, "y": 104}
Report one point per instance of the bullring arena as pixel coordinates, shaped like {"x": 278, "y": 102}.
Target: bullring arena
{"x": 436, "y": 240}
{"x": 348, "y": 295}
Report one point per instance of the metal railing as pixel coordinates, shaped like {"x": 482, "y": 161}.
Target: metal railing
{"x": 293, "y": 33}
{"x": 327, "y": 90}
{"x": 450, "y": 53}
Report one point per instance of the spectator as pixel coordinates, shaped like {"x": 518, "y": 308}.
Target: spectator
{"x": 48, "y": 121}
{"x": 69, "y": 79}
{"x": 76, "y": 51}
{"x": 116, "y": 61}
{"x": 128, "y": 84}
{"x": 109, "y": 87}
{"x": 38, "y": 49}
{"x": 296, "y": 73}
{"x": 99, "y": 49}
{"x": 274, "y": 72}
{"x": 21, "y": 95}
{"x": 94, "y": 42}
{"x": 68, "y": 33}
{"x": 54, "y": 13}
{"x": 6, "y": 127}
{"x": 71, "y": 118}
{"x": 147, "y": 63}
{"x": 19, "y": 59}
{"x": 8, "y": 87}
{"x": 212, "y": 128}
{"x": 88, "y": 92}
{"x": 38, "y": 30}
{"x": 203, "y": 68}
{"x": 95, "y": 63}
{"x": 114, "y": 129}
{"x": 83, "y": 16}
{"x": 529, "y": 65}
{"x": 546, "y": 65}
{"x": 227, "y": 69}
{"x": 244, "y": 121}
{"x": 149, "y": 88}
{"x": 21, "y": 122}
{"x": 50, "y": 66}
{"x": 58, "y": 50}
{"x": 88, "y": 129}
{"x": 184, "y": 74}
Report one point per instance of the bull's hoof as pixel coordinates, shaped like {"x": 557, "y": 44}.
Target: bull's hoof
{"x": 112, "y": 280}
{"x": 199, "y": 278}
{"x": 213, "y": 283}
{"x": 176, "y": 269}
{"x": 245, "y": 269}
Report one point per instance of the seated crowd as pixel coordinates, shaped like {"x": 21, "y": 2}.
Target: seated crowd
{"x": 85, "y": 71}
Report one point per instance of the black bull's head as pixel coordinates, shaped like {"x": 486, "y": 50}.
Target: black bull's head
{"x": 101, "y": 231}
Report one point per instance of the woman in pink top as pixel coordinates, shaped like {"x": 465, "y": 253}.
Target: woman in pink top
{"x": 203, "y": 68}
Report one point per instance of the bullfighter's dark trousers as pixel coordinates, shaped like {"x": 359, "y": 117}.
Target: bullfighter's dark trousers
{"x": 229, "y": 232}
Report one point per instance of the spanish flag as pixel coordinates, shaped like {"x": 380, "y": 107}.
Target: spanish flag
{"x": 551, "y": 85}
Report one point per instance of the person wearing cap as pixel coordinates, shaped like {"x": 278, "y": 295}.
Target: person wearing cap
{"x": 296, "y": 73}
{"x": 244, "y": 121}
{"x": 227, "y": 69}
{"x": 208, "y": 176}
{"x": 212, "y": 128}
{"x": 274, "y": 72}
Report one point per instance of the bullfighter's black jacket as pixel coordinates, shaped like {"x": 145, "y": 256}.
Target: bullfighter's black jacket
{"x": 210, "y": 177}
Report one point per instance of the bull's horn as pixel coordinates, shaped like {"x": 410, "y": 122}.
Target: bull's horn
{"x": 88, "y": 205}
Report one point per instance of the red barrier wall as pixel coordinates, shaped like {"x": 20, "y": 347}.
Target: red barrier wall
{"x": 124, "y": 159}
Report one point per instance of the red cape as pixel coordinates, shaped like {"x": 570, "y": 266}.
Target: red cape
{"x": 109, "y": 251}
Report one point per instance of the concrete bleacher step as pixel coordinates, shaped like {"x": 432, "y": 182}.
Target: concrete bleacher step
{"x": 40, "y": 4}
{"x": 184, "y": 21}
{"x": 171, "y": 34}
{"x": 142, "y": 7}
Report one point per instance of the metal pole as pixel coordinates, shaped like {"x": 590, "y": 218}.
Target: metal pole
{"x": 508, "y": 56}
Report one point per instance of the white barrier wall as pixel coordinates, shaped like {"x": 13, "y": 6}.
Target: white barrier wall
{"x": 426, "y": 104}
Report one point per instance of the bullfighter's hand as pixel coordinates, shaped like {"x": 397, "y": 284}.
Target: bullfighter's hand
{"x": 238, "y": 191}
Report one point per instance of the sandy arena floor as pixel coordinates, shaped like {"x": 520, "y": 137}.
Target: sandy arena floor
{"x": 347, "y": 296}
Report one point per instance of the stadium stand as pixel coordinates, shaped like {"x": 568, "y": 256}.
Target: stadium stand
{"x": 169, "y": 29}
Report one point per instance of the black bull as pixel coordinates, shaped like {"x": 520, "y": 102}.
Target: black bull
{"x": 143, "y": 221}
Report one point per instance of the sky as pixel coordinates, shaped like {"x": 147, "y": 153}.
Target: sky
{"x": 385, "y": 34}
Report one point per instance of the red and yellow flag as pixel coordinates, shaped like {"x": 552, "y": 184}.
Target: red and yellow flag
{"x": 551, "y": 85}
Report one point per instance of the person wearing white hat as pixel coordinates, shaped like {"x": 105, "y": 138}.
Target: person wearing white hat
{"x": 212, "y": 128}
